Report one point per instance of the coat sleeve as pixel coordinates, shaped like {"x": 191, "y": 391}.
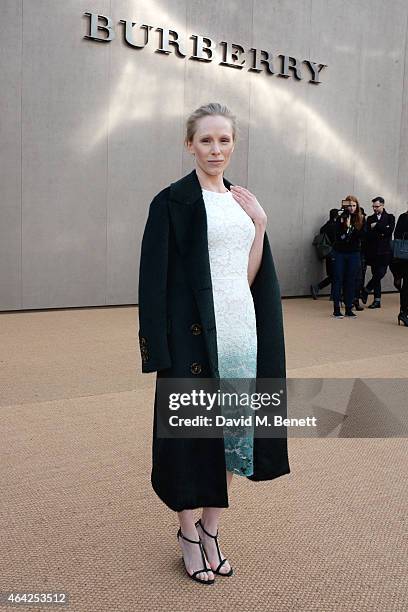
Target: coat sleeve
{"x": 153, "y": 339}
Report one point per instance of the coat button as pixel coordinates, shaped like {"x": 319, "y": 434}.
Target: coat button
{"x": 196, "y": 329}
{"x": 195, "y": 368}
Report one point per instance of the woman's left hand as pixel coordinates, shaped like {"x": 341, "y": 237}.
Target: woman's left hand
{"x": 250, "y": 204}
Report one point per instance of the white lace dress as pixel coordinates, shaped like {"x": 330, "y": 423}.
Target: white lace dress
{"x": 231, "y": 233}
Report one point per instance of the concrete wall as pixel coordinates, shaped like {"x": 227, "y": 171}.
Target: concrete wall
{"x": 91, "y": 131}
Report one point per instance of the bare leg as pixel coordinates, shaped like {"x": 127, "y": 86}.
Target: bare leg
{"x": 229, "y": 478}
{"x": 191, "y": 552}
{"x": 210, "y": 519}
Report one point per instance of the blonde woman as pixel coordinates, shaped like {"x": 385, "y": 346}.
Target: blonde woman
{"x": 209, "y": 306}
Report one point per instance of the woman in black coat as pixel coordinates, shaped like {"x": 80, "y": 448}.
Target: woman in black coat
{"x": 329, "y": 228}
{"x": 399, "y": 269}
{"x": 346, "y": 255}
{"x": 179, "y": 333}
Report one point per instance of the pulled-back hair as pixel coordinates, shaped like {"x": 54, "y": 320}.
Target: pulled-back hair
{"x": 212, "y": 108}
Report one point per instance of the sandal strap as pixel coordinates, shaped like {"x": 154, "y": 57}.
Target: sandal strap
{"x": 180, "y": 534}
{"x": 205, "y": 569}
{"x": 203, "y": 558}
{"x": 200, "y": 572}
{"x": 205, "y": 531}
{"x": 215, "y": 537}
{"x": 220, "y": 565}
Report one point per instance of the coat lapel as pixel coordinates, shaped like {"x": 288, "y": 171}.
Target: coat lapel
{"x": 189, "y": 222}
{"x": 189, "y": 219}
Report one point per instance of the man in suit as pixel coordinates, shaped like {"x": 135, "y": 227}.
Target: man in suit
{"x": 378, "y": 251}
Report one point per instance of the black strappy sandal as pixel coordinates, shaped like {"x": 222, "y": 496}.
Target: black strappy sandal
{"x": 222, "y": 561}
{"x": 193, "y": 576}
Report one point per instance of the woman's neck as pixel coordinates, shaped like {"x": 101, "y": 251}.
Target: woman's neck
{"x": 210, "y": 182}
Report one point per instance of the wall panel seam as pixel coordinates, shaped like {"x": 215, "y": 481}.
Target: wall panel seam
{"x": 403, "y": 90}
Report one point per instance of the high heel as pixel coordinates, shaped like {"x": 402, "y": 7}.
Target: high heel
{"x": 193, "y": 576}
{"x": 222, "y": 561}
{"x": 403, "y": 318}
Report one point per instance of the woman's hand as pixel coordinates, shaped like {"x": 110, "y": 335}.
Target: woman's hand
{"x": 250, "y": 204}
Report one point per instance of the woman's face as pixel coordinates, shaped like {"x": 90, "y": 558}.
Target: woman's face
{"x": 351, "y": 207}
{"x": 212, "y": 144}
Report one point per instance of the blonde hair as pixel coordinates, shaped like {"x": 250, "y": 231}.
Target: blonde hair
{"x": 212, "y": 108}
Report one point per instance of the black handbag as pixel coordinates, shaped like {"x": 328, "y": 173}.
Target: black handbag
{"x": 400, "y": 247}
{"x": 323, "y": 245}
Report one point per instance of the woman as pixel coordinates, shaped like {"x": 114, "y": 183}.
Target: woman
{"x": 194, "y": 320}
{"x": 399, "y": 269}
{"x": 346, "y": 255}
{"x": 329, "y": 229}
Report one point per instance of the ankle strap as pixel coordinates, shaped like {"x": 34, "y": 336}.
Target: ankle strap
{"x": 205, "y": 531}
{"x": 180, "y": 534}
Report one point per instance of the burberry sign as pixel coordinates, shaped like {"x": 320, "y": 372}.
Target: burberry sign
{"x": 204, "y": 49}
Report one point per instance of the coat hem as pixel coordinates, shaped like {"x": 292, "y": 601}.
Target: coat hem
{"x": 271, "y": 477}
{"x": 193, "y": 505}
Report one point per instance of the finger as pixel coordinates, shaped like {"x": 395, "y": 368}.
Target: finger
{"x": 237, "y": 195}
{"x": 241, "y": 200}
{"x": 244, "y": 194}
{"x": 242, "y": 189}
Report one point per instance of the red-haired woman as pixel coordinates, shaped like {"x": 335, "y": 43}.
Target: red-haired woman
{"x": 346, "y": 254}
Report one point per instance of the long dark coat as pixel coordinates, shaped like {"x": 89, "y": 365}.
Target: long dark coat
{"x": 177, "y": 336}
{"x": 378, "y": 250}
{"x": 399, "y": 267}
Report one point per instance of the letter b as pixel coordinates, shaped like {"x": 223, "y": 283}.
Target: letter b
{"x": 94, "y": 26}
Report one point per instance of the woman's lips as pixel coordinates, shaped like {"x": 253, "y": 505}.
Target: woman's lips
{"x": 215, "y": 161}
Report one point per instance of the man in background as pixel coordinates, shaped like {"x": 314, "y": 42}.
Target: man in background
{"x": 378, "y": 251}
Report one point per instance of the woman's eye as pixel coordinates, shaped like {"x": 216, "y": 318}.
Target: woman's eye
{"x": 224, "y": 140}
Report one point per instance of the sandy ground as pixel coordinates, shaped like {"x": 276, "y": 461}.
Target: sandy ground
{"x": 77, "y": 512}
